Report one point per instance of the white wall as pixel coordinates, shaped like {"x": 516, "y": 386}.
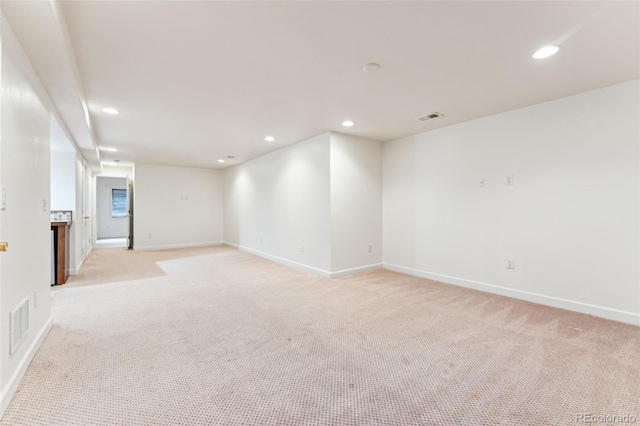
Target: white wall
{"x": 176, "y": 207}
{"x": 63, "y": 180}
{"x": 277, "y": 205}
{"x": 117, "y": 171}
{"x": 356, "y": 204}
{"x": 25, "y": 225}
{"x": 571, "y": 221}
{"x": 108, "y": 226}
{"x": 315, "y": 205}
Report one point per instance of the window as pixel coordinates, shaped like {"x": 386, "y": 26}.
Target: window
{"x": 118, "y": 203}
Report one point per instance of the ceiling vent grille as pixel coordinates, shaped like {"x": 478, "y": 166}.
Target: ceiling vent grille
{"x": 430, "y": 116}
{"x": 19, "y": 324}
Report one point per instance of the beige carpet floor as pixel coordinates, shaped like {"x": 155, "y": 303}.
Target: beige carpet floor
{"x": 216, "y": 336}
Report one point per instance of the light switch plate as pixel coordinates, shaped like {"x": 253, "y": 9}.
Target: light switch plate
{"x": 3, "y": 199}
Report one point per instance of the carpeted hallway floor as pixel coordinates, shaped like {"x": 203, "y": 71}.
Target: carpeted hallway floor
{"x": 215, "y": 336}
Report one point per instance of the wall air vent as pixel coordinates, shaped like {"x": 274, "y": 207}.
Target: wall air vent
{"x": 19, "y": 324}
{"x": 430, "y": 116}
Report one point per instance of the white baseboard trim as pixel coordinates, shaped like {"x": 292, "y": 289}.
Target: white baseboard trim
{"x": 77, "y": 270}
{"x": 12, "y": 385}
{"x": 286, "y": 262}
{"x": 541, "y": 299}
{"x": 177, "y": 246}
{"x": 306, "y": 268}
{"x": 358, "y": 270}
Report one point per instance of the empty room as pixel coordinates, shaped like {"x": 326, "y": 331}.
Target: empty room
{"x": 319, "y": 213}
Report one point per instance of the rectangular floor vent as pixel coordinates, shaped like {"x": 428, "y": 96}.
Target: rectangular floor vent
{"x": 19, "y": 324}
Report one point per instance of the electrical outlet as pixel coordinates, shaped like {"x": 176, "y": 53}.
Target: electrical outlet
{"x": 150, "y": 236}
{"x": 370, "y": 248}
{"x": 510, "y": 180}
{"x": 302, "y": 248}
{"x": 483, "y": 182}
{"x": 3, "y": 206}
{"x": 261, "y": 240}
{"x": 511, "y": 263}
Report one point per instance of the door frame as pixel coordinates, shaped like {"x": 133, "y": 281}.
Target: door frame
{"x": 87, "y": 222}
{"x": 130, "y": 214}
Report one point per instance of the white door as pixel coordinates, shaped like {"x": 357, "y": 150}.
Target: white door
{"x": 86, "y": 211}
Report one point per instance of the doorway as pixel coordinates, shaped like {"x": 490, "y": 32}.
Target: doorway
{"x": 112, "y": 212}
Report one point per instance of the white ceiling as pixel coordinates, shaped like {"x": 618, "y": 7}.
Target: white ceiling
{"x": 41, "y": 30}
{"x": 196, "y": 81}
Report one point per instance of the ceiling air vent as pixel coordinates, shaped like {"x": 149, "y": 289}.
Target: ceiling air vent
{"x": 430, "y": 116}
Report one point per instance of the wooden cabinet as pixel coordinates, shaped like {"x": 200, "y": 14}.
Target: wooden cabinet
{"x": 61, "y": 252}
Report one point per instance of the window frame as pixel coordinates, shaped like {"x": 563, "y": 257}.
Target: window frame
{"x": 120, "y": 214}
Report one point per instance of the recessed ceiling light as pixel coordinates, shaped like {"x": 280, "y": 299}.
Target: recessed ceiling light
{"x": 545, "y": 52}
{"x": 371, "y": 67}
{"x": 269, "y": 139}
{"x": 221, "y": 161}
{"x": 111, "y": 111}
{"x": 109, "y": 149}
{"x": 348, "y": 123}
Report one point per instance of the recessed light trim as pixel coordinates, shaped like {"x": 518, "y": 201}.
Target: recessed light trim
{"x": 269, "y": 139}
{"x": 111, "y": 111}
{"x": 221, "y": 160}
{"x": 348, "y": 123}
{"x": 545, "y": 52}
